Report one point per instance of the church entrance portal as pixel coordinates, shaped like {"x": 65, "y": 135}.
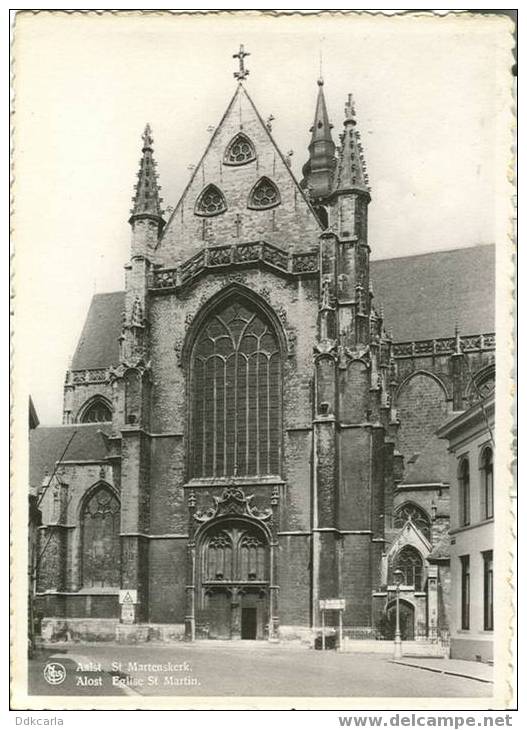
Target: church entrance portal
{"x": 406, "y": 620}
{"x": 234, "y": 579}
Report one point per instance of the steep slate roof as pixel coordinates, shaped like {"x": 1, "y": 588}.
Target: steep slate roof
{"x": 47, "y": 444}
{"x": 430, "y": 465}
{"x": 98, "y": 344}
{"x": 425, "y": 295}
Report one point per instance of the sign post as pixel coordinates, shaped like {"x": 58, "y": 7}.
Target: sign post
{"x": 332, "y": 604}
{"x": 128, "y": 601}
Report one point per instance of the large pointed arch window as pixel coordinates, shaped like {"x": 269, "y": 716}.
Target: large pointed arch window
{"x": 100, "y": 524}
{"x": 236, "y": 393}
{"x": 240, "y": 151}
{"x": 264, "y": 195}
{"x": 210, "y": 202}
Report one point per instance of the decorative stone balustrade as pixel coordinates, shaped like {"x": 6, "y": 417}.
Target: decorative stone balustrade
{"x": 83, "y": 377}
{"x": 241, "y": 254}
{"x": 444, "y": 346}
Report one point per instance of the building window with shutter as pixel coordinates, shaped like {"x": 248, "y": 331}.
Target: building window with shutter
{"x": 464, "y": 492}
{"x": 465, "y": 592}
{"x": 487, "y": 483}
{"x": 236, "y": 374}
{"x": 488, "y": 591}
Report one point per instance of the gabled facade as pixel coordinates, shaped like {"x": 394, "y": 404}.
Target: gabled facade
{"x": 255, "y": 413}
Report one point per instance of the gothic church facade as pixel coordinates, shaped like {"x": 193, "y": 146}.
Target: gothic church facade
{"x": 245, "y": 430}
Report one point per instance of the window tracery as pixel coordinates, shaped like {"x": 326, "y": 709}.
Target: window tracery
{"x": 101, "y": 524}
{"x": 409, "y": 561}
{"x": 210, "y": 202}
{"x": 416, "y": 515}
{"x": 264, "y": 195}
{"x": 236, "y": 410}
{"x": 240, "y": 151}
{"x": 234, "y": 553}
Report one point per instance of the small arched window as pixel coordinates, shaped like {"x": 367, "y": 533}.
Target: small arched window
{"x": 240, "y": 151}
{"x": 101, "y": 525}
{"x": 210, "y": 202}
{"x": 264, "y": 195}
{"x": 96, "y": 411}
{"x": 487, "y": 483}
{"x": 464, "y": 492}
{"x": 416, "y": 515}
{"x": 409, "y": 561}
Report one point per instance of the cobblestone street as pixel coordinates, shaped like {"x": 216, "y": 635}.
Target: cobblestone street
{"x": 242, "y": 669}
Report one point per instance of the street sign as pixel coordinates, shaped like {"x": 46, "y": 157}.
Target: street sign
{"x": 129, "y": 596}
{"x": 127, "y": 613}
{"x": 333, "y": 604}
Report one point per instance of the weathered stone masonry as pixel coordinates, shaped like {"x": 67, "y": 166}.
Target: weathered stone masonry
{"x": 271, "y": 467}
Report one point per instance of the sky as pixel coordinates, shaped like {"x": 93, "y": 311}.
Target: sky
{"x": 428, "y": 91}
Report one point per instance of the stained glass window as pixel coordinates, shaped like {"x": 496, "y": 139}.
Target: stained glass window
{"x": 101, "y": 525}
{"x": 236, "y": 387}
{"x": 240, "y": 151}
{"x": 414, "y": 513}
{"x": 264, "y": 194}
{"x": 409, "y": 561}
{"x": 210, "y": 202}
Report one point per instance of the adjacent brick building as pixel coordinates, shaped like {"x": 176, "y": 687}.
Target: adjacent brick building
{"x": 254, "y": 417}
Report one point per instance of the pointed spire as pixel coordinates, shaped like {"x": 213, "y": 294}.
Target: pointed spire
{"x": 351, "y": 169}
{"x": 318, "y": 170}
{"x": 146, "y": 200}
{"x": 321, "y": 129}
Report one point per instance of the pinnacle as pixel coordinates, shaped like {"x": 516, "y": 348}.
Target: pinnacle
{"x": 351, "y": 170}
{"x": 146, "y": 200}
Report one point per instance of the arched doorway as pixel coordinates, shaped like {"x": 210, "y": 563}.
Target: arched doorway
{"x": 233, "y": 580}
{"x": 406, "y": 620}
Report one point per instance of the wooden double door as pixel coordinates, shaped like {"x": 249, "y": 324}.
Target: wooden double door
{"x": 236, "y": 613}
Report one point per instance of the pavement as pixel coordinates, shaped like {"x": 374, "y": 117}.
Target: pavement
{"x": 245, "y": 668}
{"x": 478, "y": 671}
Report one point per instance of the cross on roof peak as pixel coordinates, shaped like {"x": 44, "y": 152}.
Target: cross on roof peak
{"x": 242, "y": 72}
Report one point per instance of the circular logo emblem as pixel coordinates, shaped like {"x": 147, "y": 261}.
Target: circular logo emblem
{"x": 54, "y": 673}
